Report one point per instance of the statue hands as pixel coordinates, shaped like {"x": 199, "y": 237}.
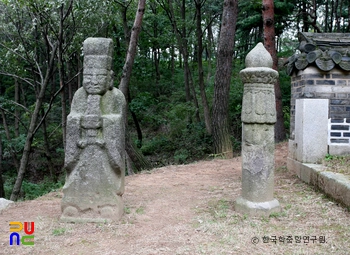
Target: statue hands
{"x": 92, "y": 121}
{"x": 83, "y": 143}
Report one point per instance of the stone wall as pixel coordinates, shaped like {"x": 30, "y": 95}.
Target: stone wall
{"x": 314, "y": 83}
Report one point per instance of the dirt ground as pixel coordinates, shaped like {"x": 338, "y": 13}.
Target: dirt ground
{"x": 189, "y": 209}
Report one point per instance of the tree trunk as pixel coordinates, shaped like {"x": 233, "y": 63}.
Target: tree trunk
{"x": 130, "y": 56}
{"x": 185, "y": 52}
{"x": 32, "y": 127}
{"x": 2, "y": 190}
{"x": 70, "y": 87}
{"x": 337, "y": 7}
{"x": 48, "y": 151}
{"x": 64, "y": 109}
{"x": 199, "y": 33}
{"x": 172, "y": 63}
{"x": 16, "y": 110}
{"x": 304, "y": 12}
{"x": 137, "y": 124}
{"x": 221, "y": 134}
{"x": 8, "y": 137}
{"x": 61, "y": 76}
{"x": 269, "y": 43}
{"x": 181, "y": 37}
{"x": 209, "y": 52}
{"x": 79, "y": 75}
{"x": 139, "y": 161}
{"x": 195, "y": 100}
{"x": 156, "y": 58}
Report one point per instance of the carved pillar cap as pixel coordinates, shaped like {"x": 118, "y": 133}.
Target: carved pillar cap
{"x": 259, "y": 96}
{"x": 259, "y": 67}
{"x": 258, "y": 57}
{"x": 259, "y": 75}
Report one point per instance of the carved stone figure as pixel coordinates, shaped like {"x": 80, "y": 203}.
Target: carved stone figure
{"x": 94, "y": 154}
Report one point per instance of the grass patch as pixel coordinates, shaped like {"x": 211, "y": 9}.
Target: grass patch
{"x": 140, "y": 210}
{"x": 337, "y": 164}
{"x": 58, "y": 231}
{"x": 30, "y": 190}
{"x": 127, "y": 210}
{"x": 218, "y": 209}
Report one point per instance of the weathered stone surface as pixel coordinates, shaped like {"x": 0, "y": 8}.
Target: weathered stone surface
{"x": 257, "y": 208}
{"x": 254, "y": 107}
{"x": 257, "y": 57}
{"x": 311, "y": 129}
{"x": 94, "y": 154}
{"x": 258, "y": 162}
{"x": 258, "y": 117}
{"x": 258, "y": 79}
{"x": 258, "y": 75}
{"x": 4, "y": 203}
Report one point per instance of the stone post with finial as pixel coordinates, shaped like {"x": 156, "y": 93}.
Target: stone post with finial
{"x": 258, "y": 145}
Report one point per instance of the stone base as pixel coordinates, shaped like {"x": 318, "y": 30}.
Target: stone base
{"x": 257, "y": 208}
{"x": 84, "y": 220}
{"x": 94, "y": 217}
{"x": 103, "y": 214}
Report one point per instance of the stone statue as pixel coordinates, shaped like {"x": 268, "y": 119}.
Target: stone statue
{"x": 94, "y": 154}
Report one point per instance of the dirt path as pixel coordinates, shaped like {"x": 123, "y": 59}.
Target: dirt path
{"x": 188, "y": 209}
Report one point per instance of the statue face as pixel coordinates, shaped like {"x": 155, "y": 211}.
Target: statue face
{"x": 96, "y": 82}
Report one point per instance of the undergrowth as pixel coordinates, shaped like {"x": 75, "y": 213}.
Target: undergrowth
{"x": 30, "y": 190}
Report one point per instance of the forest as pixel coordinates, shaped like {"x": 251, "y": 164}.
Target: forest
{"x": 176, "y": 61}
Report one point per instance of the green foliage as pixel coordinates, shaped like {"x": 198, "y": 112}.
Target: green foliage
{"x": 127, "y": 210}
{"x": 181, "y": 156}
{"x": 337, "y": 163}
{"x": 58, "y": 231}
{"x": 16, "y": 144}
{"x": 181, "y": 146}
{"x": 34, "y": 190}
{"x": 286, "y": 95}
{"x": 140, "y": 210}
{"x": 145, "y": 105}
{"x": 235, "y": 106}
{"x": 177, "y": 118}
{"x": 286, "y": 116}
{"x": 218, "y": 209}
{"x": 329, "y": 157}
{"x": 9, "y": 181}
{"x": 157, "y": 145}
{"x": 31, "y": 190}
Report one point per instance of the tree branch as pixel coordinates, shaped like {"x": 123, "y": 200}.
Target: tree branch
{"x": 18, "y": 77}
{"x": 3, "y": 109}
{"x": 53, "y": 99}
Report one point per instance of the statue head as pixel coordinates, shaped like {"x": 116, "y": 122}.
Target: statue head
{"x": 98, "y": 74}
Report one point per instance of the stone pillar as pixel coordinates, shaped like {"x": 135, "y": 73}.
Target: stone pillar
{"x": 311, "y": 129}
{"x": 258, "y": 145}
{"x": 94, "y": 153}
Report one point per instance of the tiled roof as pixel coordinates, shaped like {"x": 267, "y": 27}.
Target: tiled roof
{"x": 324, "y": 50}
